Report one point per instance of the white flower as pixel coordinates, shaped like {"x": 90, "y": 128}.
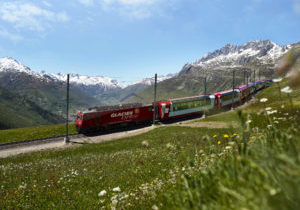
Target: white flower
{"x": 228, "y": 147}
{"x": 249, "y": 121}
{"x": 282, "y": 106}
{"x": 116, "y": 189}
{"x": 263, "y": 100}
{"x": 271, "y": 112}
{"x": 287, "y": 89}
{"x": 269, "y": 126}
{"x": 154, "y": 207}
{"x": 114, "y": 202}
{"x": 145, "y": 143}
{"x": 277, "y": 80}
{"x": 102, "y": 193}
{"x": 276, "y": 122}
{"x": 268, "y": 108}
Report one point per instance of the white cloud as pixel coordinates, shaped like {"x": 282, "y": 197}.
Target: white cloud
{"x": 29, "y": 16}
{"x": 13, "y": 37}
{"x": 86, "y": 2}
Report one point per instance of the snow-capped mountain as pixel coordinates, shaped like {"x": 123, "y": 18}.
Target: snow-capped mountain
{"x": 263, "y": 52}
{"x": 8, "y": 64}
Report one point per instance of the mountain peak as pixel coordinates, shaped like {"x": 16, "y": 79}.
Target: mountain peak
{"x": 263, "y": 50}
{"x": 10, "y": 64}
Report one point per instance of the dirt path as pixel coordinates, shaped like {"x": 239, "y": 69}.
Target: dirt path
{"x": 205, "y": 125}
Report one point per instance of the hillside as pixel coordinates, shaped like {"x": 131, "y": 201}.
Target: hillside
{"x": 255, "y": 56}
{"x": 17, "y": 111}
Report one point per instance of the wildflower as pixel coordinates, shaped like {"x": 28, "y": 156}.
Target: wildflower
{"x": 102, "y": 193}
{"x": 154, "y": 207}
{"x": 215, "y": 136}
{"x": 114, "y": 202}
{"x": 263, "y": 100}
{"x": 228, "y": 147}
{"x": 268, "y": 108}
{"x": 234, "y": 135}
{"x": 277, "y": 80}
{"x": 269, "y": 126}
{"x": 226, "y": 136}
{"x": 219, "y": 142}
{"x": 249, "y": 121}
{"x": 282, "y": 106}
{"x": 116, "y": 189}
{"x": 231, "y": 143}
{"x": 145, "y": 143}
{"x": 287, "y": 89}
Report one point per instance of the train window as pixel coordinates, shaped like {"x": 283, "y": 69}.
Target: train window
{"x": 191, "y": 104}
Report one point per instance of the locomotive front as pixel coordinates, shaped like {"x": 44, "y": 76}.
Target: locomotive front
{"x": 79, "y": 120}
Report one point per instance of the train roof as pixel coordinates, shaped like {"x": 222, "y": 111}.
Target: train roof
{"x": 227, "y": 91}
{"x": 114, "y": 107}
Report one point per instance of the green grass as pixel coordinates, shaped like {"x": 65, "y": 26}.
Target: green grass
{"x": 20, "y": 134}
{"x": 252, "y": 166}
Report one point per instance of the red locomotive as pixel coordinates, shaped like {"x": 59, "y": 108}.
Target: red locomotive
{"x": 101, "y": 118}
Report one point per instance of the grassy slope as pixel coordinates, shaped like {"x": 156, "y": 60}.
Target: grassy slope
{"x": 20, "y": 134}
{"x": 17, "y": 111}
{"x": 181, "y": 168}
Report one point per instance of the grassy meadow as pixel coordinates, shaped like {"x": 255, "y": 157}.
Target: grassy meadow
{"x": 27, "y": 133}
{"x": 255, "y": 165}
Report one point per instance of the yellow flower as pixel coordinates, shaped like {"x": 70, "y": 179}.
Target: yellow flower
{"x": 214, "y": 136}
{"x": 226, "y": 136}
{"x": 219, "y": 142}
{"x": 233, "y": 135}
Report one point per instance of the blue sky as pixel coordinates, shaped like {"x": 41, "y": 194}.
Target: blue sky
{"x": 132, "y": 39}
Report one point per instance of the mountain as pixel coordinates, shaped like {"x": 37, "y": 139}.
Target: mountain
{"x": 47, "y": 92}
{"x": 255, "y": 59}
{"x": 17, "y": 111}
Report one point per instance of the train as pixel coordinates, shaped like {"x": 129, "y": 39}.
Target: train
{"x": 107, "y": 117}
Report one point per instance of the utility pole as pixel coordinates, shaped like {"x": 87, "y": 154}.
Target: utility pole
{"x": 205, "y": 86}
{"x": 244, "y": 76}
{"x": 203, "y": 116}
{"x": 67, "y": 140}
{"x": 233, "y": 94}
{"x": 247, "y": 88}
{"x": 154, "y": 105}
{"x": 259, "y": 74}
{"x": 254, "y": 80}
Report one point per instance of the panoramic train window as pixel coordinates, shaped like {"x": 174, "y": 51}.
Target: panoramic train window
{"x": 177, "y": 106}
{"x": 228, "y": 97}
